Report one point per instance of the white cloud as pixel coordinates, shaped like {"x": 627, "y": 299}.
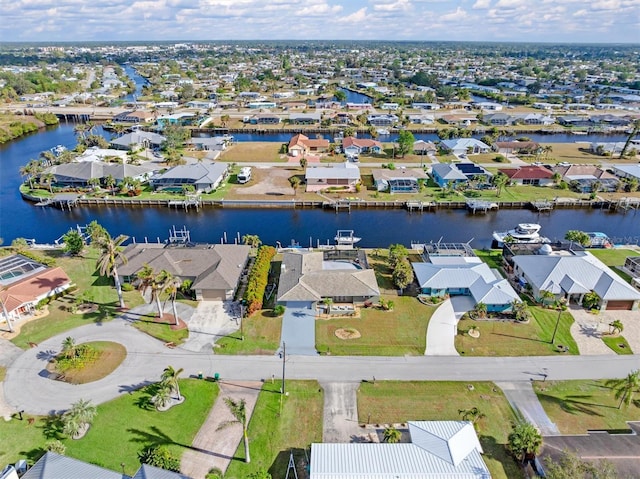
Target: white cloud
{"x": 356, "y": 17}
{"x": 394, "y": 6}
{"x": 481, "y": 4}
{"x": 458, "y": 15}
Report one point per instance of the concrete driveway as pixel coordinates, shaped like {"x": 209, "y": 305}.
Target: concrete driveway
{"x": 589, "y": 328}
{"x": 299, "y": 329}
{"x": 340, "y": 412}
{"x": 211, "y": 321}
{"x": 441, "y": 331}
{"x": 523, "y": 399}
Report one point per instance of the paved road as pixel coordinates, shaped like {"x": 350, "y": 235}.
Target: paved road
{"x": 26, "y": 388}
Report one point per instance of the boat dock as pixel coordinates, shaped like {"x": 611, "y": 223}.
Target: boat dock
{"x": 542, "y": 205}
{"x": 481, "y": 206}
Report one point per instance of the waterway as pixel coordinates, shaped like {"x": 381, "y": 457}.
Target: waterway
{"x": 19, "y": 218}
{"x": 140, "y": 81}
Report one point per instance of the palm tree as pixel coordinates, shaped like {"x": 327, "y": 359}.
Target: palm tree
{"x": 170, "y": 378}
{"x": 472, "y": 415}
{"x": 110, "y": 182}
{"x": 252, "y": 240}
{"x": 239, "y": 411}
{"x": 5, "y": 313}
{"x": 295, "y": 183}
{"x": 111, "y": 253}
{"x": 524, "y": 441}
{"x": 481, "y": 310}
{"x": 632, "y": 134}
{"x": 392, "y": 435}
{"x": 155, "y": 282}
{"x": 48, "y": 179}
{"x": 624, "y": 388}
{"x": 172, "y": 287}
{"x": 81, "y": 130}
{"x": 79, "y": 416}
{"x": 68, "y": 347}
{"x": 546, "y": 297}
{"x": 162, "y": 397}
{"x": 500, "y": 181}
{"x": 616, "y": 326}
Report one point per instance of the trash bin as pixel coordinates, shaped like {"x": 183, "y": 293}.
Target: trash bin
{"x": 200, "y": 375}
{"x": 216, "y": 377}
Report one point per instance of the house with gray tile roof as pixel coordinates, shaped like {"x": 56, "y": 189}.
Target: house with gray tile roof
{"x": 438, "y": 449}
{"x": 465, "y": 276}
{"x": 79, "y": 173}
{"x": 204, "y": 177}
{"x": 571, "y": 275}
{"x": 461, "y": 146}
{"x": 214, "y": 270}
{"x": 341, "y": 175}
{"x": 138, "y": 139}
{"x": 308, "y": 276}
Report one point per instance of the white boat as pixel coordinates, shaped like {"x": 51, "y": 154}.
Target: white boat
{"x": 523, "y": 233}
{"x": 345, "y": 237}
{"x": 382, "y": 132}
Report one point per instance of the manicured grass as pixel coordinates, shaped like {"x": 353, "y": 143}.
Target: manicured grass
{"x": 275, "y": 431}
{"x": 109, "y": 356}
{"x": 493, "y": 258}
{"x": 161, "y": 331}
{"x": 571, "y": 152}
{"x": 384, "y": 333}
{"x": 261, "y": 336}
{"x": 508, "y": 338}
{"x": 617, "y": 344}
{"x": 266, "y": 151}
{"x": 578, "y": 406}
{"x": 613, "y": 257}
{"x": 124, "y": 425}
{"x": 398, "y": 402}
{"x": 377, "y": 259}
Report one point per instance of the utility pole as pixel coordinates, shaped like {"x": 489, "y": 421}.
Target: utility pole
{"x": 284, "y": 357}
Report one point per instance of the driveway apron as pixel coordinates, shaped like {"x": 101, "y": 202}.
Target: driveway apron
{"x": 441, "y": 331}
{"x": 299, "y": 329}
{"x": 340, "y": 412}
{"x": 523, "y": 399}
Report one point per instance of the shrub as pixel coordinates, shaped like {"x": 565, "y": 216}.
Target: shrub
{"x": 258, "y": 278}
{"x": 127, "y": 287}
{"x": 159, "y": 456}
{"x": 56, "y": 446}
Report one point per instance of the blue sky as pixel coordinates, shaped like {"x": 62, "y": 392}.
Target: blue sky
{"x": 594, "y": 21}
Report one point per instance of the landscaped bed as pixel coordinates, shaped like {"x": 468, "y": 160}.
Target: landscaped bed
{"x": 125, "y": 425}
{"x": 579, "y": 406}
{"x": 386, "y": 402}
{"x": 103, "y": 358}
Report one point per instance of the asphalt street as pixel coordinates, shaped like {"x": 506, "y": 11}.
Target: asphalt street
{"x": 27, "y": 386}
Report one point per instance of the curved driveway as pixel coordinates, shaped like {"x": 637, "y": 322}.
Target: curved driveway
{"x": 26, "y": 388}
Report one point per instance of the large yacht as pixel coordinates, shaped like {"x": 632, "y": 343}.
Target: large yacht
{"x": 523, "y": 233}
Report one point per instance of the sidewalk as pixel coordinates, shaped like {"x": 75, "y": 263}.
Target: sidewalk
{"x": 213, "y": 447}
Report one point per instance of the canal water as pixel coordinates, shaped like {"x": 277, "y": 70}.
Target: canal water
{"x": 377, "y": 227}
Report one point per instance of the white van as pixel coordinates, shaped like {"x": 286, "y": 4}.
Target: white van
{"x": 245, "y": 175}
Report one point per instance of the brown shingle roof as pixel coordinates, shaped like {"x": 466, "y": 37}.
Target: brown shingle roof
{"x": 528, "y": 173}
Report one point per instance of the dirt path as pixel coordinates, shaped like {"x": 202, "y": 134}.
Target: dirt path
{"x": 211, "y": 447}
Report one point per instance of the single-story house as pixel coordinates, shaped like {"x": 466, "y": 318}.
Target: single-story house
{"x": 265, "y": 119}
{"x": 474, "y": 172}
{"x": 459, "y": 120}
{"x": 103, "y": 154}
{"x": 138, "y": 139}
{"x": 137, "y": 116}
{"x": 216, "y": 143}
{"x": 301, "y": 145}
{"x": 627, "y": 171}
{"x": 509, "y": 147}
{"x": 400, "y": 180}
{"x": 460, "y": 146}
{"x": 342, "y": 175}
{"x": 573, "y": 274}
{"x": 498, "y": 119}
{"x": 313, "y": 276}
{"x": 57, "y": 466}
{"x": 341, "y": 118}
{"x": 304, "y": 118}
{"x": 421, "y": 147}
{"x": 465, "y": 276}
{"x": 25, "y": 283}
{"x": 423, "y": 119}
{"x": 180, "y": 119}
{"x": 438, "y": 449}
{"x": 607, "y": 148}
{"x": 204, "y": 177}
{"x": 382, "y": 120}
{"x": 446, "y": 173}
{"x": 584, "y": 178}
{"x": 529, "y": 175}
{"x": 534, "y": 119}
{"x": 356, "y": 146}
{"x": 214, "y": 270}
{"x": 80, "y": 173}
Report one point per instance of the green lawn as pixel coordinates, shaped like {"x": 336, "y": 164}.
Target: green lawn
{"x": 274, "y": 431}
{"x": 161, "y": 331}
{"x": 398, "y": 402}
{"x": 493, "y": 258}
{"x": 261, "y": 336}
{"x": 383, "y": 333}
{"x": 578, "y": 406}
{"x": 123, "y": 425}
{"x": 615, "y": 258}
{"x": 507, "y": 338}
{"x": 618, "y": 344}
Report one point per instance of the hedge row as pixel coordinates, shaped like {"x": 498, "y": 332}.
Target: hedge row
{"x": 258, "y": 278}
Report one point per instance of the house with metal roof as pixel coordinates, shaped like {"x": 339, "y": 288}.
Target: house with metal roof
{"x": 438, "y": 449}
{"x": 313, "y": 276}
{"x": 446, "y": 173}
{"x": 56, "y": 466}
{"x": 572, "y": 274}
{"x": 400, "y": 180}
{"x": 344, "y": 176}
{"x": 460, "y": 275}
{"x": 214, "y": 270}
{"x": 79, "y": 173}
{"x": 204, "y": 177}
{"x": 138, "y": 139}
{"x": 461, "y": 146}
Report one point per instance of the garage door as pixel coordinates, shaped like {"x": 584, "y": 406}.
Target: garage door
{"x": 619, "y": 305}
{"x": 213, "y": 295}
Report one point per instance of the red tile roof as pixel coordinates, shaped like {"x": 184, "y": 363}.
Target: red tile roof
{"x": 360, "y": 142}
{"x": 31, "y": 287}
{"x": 528, "y": 173}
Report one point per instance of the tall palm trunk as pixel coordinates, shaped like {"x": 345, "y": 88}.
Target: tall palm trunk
{"x": 246, "y": 444}
{"x": 175, "y": 310}
{"x": 160, "y": 313}
{"x": 6, "y": 316}
{"x": 116, "y": 280}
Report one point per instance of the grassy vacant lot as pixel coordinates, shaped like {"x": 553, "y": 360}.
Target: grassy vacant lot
{"x": 579, "y": 406}
{"x": 398, "y": 402}
{"x": 275, "y": 430}
{"x": 571, "y": 152}
{"x": 261, "y": 336}
{"x": 267, "y": 151}
{"x": 384, "y": 333}
{"x": 124, "y": 425}
{"x": 507, "y": 338}
{"x": 91, "y": 287}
